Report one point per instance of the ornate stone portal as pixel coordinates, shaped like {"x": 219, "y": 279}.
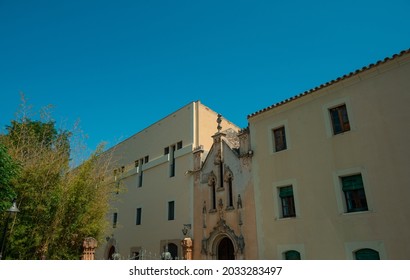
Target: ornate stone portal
{"x": 221, "y": 231}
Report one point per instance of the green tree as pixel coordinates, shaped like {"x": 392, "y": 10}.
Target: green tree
{"x": 59, "y": 207}
{"x": 9, "y": 171}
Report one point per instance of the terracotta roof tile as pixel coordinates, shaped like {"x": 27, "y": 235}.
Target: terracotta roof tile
{"x": 372, "y": 65}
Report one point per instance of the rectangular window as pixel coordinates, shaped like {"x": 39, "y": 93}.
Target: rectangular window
{"x": 213, "y": 194}
{"x": 171, "y": 210}
{"x": 146, "y": 159}
{"x": 287, "y": 202}
{"x": 114, "y": 220}
{"x": 140, "y": 176}
{"x": 354, "y": 193}
{"x": 138, "y": 218}
{"x": 279, "y": 139}
{"x": 172, "y": 162}
{"x": 166, "y": 150}
{"x": 340, "y": 119}
{"x": 179, "y": 145}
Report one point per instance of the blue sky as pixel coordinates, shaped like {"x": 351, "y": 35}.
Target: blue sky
{"x": 119, "y": 66}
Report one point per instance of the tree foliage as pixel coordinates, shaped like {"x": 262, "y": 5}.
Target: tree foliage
{"x": 9, "y": 171}
{"x": 59, "y": 207}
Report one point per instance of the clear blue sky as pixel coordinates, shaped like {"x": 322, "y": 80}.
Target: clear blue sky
{"x": 119, "y": 66}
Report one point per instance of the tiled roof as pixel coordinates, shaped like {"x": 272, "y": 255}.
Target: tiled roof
{"x": 358, "y": 71}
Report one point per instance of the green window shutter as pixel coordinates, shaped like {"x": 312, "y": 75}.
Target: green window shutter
{"x": 286, "y": 191}
{"x": 351, "y": 183}
{"x": 292, "y": 255}
{"x": 367, "y": 254}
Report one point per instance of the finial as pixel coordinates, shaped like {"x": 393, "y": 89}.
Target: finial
{"x": 219, "y": 120}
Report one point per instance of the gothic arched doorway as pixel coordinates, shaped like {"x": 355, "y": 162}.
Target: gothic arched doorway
{"x": 226, "y": 249}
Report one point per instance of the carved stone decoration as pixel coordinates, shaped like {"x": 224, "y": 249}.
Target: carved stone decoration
{"x": 228, "y": 173}
{"x": 221, "y": 210}
{"x": 218, "y": 158}
{"x": 220, "y": 231}
{"x": 219, "y": 120}
{"x": 211, "y": 179}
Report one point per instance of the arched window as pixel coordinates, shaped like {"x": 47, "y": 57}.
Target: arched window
{"x": 366, "y": 254}
{"x": 228, "y": 178}
{"x": 292, "y": 255}
{"x": 212, "y": 184}
{"x": 230, "y": 192}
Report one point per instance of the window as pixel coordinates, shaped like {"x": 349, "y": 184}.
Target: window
{"x": 139, "y": 214}
{"x": 354, "y": 193}
{"x": 179, "y": 145}
{"x": 340, "y": 119}
{"x": 279, "y": 139}
{"x": 166, "y": 150}
{"x": 146, "y": 159}
{"x": 230, "y": 192}
{"x": 140, "y": 176}
{"x": 287, "y": 202}
{"x": 213, "y": 194}
{"x": 292, "y": 255}
{"x": 172, "y": 162}
{"x": 114, "y": 220}
{"x": 171, "y": 210}
{"x": 221, "y": 174}
{"x": 367, "y": 254}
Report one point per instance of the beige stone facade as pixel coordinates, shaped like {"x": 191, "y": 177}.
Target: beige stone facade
{"x": 322, "y": 175}
{"x": 224, "y": 209}
{"x": 331, "y": 168}
{"x": 152, "y": 189}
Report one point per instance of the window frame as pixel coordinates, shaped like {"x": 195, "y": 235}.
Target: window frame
{"x": 339, "y": 118}
{"x": 271, "y": 136}
{"x": 138, "y": 216}
{"x": 355, "y": 197}
{"x": 352, "y": 247}
{"x": 328, "y": 118}
{"x": 114, "y": 220}
{"x": 289, "y": 253}
{"x": 366, "y": 252}
{"x": 277, "y": 199}
{"x": 279, "y": 139}
{"x": 340, "y": 194}
{"x": 283, "y": 248}
{"x": 287, "y": 202}
{"x": 171, "y": 210}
